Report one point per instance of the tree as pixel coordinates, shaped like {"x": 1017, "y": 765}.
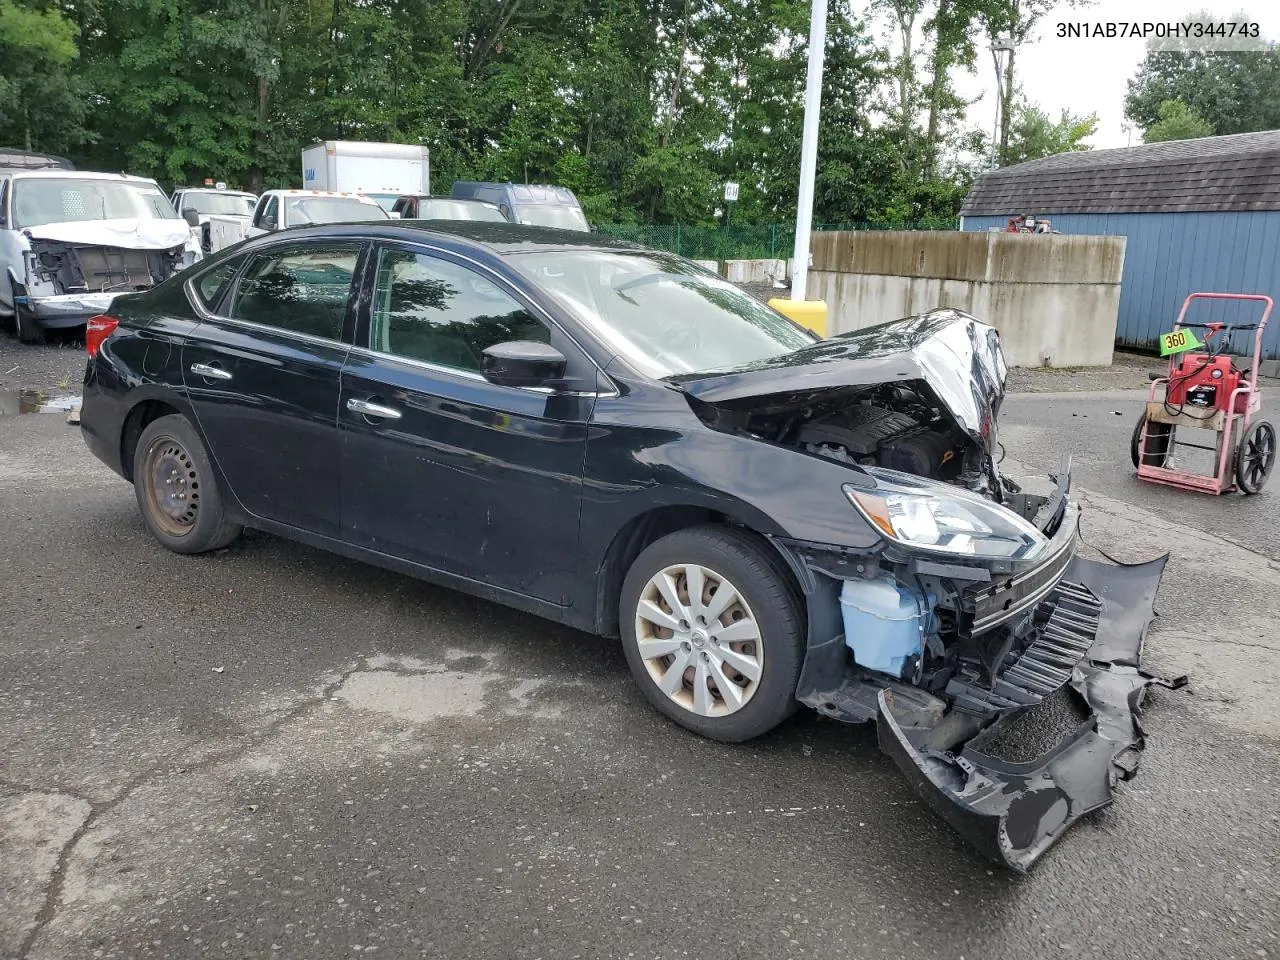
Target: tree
{"x": 1177, "y": 122}
{"x": 1033, "y": 135}
{"x": 42, "y": 103}
{"x": 1016, "y": 21}
{"x": 1234, "y": 91}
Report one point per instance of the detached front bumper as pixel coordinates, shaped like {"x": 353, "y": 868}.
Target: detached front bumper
{"x": 68, "y": 309}
{"x": 971, "y": 768}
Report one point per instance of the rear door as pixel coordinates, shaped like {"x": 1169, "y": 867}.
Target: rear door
{"x": 262, "y": 372}
{"x": 441, "y": 467}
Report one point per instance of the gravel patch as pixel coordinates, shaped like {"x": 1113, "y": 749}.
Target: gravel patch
{"x": 1128, "y": 371}
{"x": 54, "y": 368}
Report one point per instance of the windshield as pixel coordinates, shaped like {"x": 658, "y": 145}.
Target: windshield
{"x": 662, "y": 313}
{"x": 218, "y": 204}
{"x": 37, "y": 201}
{"x": 445, "y": 209}
{"x": 305, "y": 210}
{"x": 385, "y": 200}
{"x": 552, "y": 215}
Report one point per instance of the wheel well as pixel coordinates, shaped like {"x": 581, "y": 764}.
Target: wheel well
{"x": 637, "y": 534}
{"x": 134, "y": 424}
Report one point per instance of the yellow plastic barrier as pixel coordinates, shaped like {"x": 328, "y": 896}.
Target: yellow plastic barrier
{"x": 807, "y": 313}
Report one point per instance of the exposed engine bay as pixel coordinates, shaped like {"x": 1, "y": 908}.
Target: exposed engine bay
{"x": 86, "y": 268}
{"x": 971, "y": 624}
{"x": 895, "y": 426}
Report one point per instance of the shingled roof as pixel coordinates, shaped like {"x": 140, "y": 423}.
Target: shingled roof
{"x": 1239, "y": 172}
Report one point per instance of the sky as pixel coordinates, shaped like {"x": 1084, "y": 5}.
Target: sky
{"x": 1089, "y": 75}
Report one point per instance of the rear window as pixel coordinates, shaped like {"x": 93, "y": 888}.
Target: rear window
{"x": 442, "y": 208}
{"x": 560, "y": 216}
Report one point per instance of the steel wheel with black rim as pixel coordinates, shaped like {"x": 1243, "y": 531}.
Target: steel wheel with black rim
{"x": 1256, "y": 456}
{"x": 176, "y": 490}
{"x": 712, "y": 632}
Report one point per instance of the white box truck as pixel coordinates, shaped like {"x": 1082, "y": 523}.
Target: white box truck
{"x": 383, "y": 171}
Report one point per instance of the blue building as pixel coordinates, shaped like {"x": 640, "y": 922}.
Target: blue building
{"x": 1198, "y": 214}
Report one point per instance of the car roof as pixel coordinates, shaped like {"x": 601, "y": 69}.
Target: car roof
{"x": 468, "y": 236}
{"x": 75, "y": 175}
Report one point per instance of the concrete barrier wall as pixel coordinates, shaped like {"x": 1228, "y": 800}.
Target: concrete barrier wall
{"x": 1053, "y": 298}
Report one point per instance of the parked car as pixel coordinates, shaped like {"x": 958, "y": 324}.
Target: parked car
{"x": 280, "y": 209}
{"x": 423, "y": 207}
{"x": 534, "y": 204}
{"x": 614, "y": 438}
{"x": 213, "y": 208}
{"x": 70, "y": 242}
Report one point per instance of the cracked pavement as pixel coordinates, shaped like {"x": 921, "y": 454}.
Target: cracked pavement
{"x": 274, "y": 752}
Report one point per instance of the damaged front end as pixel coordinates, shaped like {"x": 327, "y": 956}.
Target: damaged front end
{"x": 1004, "y": 672}
{"x": 74, "y": 270}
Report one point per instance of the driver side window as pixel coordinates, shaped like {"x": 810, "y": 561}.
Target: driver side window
{"x": 437, "y": 311}
{"x": 266, "y": 218}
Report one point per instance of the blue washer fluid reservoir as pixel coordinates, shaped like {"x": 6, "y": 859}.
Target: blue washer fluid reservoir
{"x": 884, "y": 623}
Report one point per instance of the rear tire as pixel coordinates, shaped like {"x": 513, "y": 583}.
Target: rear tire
{"x": 1160, "y": 440}
{"x": 723, "y": 660}
{"x": 177, "y": 494}
{"x": 1255, "y": 456}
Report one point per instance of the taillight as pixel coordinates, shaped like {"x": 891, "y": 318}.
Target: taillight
{"x": 96, "y": 330}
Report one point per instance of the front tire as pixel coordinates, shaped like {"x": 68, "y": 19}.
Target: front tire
{"x": 177, "y": 494}
{"x": 713, "y": 631}
{"x": 26, "y": 327}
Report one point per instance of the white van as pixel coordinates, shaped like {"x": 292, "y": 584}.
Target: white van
{"x": 70, "y": 242}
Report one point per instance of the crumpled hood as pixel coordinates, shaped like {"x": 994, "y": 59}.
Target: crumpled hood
{"x": 957, "y": 355}
{"x": 131, "y": 234}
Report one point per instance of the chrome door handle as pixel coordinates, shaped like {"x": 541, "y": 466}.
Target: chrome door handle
{"x": 372, "y": 409}
{"x": 212, "y": 372}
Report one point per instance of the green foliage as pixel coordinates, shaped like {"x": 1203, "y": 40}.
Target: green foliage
{"x": 1230, "y": 91}
{"x": 1033, "y": 135}
{"x": 1177, "y": 122}
{"x": 644, "y": 108}
{"x": 41, "y": 98}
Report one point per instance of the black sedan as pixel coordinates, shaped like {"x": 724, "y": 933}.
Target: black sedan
{"x": 616, "y": 439}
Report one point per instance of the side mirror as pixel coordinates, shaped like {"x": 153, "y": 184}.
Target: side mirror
{"x": 395, "y": 215}
{"x": 190, "y": 215}
{"x": 268, "y": 223}
{"x": 521, "y": 363}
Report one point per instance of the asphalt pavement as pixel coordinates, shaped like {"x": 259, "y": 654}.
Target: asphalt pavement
{"x": 275, "y": 752}
{"x": 1096, "y": 428}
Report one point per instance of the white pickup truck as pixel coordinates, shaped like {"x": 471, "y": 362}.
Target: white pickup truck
{"x": 280, "y": 209}
{"x": 214, "y": 206}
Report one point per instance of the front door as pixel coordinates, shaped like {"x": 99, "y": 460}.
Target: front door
{"x": 441, "y": 467}
{"x": 262, "y": 372}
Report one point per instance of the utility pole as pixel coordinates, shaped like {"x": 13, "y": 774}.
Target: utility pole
{"x": 998, "y": 46}
{"x": 809, "y": 146}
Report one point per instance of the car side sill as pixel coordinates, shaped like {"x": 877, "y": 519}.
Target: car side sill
{"x": 418, "y": 571}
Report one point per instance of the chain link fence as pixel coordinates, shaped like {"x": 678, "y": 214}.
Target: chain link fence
{"x": 743, "y": 241}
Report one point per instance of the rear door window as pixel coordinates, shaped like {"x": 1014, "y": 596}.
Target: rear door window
{"x": 301, "y": 288}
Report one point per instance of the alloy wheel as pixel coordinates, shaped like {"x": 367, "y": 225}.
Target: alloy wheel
{"x": 699, "y": 640}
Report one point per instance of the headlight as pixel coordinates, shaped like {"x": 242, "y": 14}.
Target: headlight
{"x": 934, "y": 516}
